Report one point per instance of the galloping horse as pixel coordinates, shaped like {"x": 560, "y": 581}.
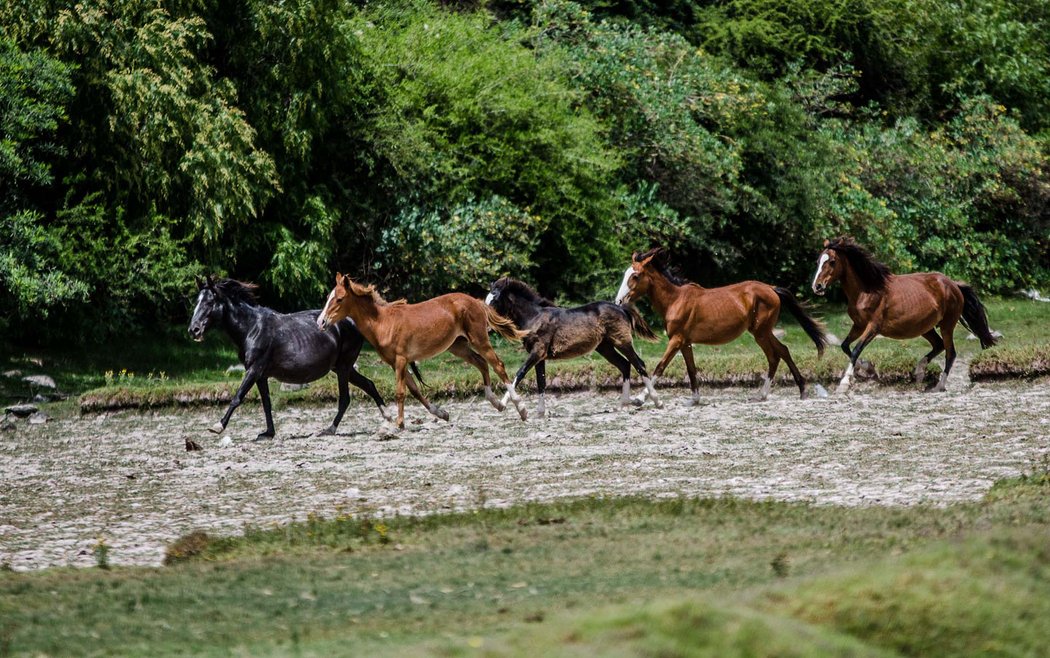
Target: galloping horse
{"x": 714, "y": 316}
{"x": 898, "y": 306}
{"x": 286, "y": 347}
{"x": 564, "y": 333}
{"x": 403, "y": 333}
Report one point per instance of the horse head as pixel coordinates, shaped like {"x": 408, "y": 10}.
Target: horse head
{"x": 829, "y": 268}
{"x": 638, "y": 277}
{"x": 209, "y": 309}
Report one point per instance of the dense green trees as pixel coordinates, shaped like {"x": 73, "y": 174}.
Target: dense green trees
{"x": 429, "y": 149}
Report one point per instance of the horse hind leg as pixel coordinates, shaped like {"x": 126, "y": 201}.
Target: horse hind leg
{"x": 769, "y": 348}
{"x": 462, "y": 349}
{"x": 938, "y": 346}
{"x": 627, "y": 349}
{"x": 948, "y": 336}
{"x": 785, "y": 354}
{"x": 488, "y": 356}
{"x": 414, "y": 389}
{"x": 623, "y": 365}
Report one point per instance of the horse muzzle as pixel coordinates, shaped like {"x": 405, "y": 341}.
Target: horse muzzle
{"x": 197, "y": 333}
{"x": 819, "y": 288}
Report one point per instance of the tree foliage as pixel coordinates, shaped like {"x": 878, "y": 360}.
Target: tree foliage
{"x": 430, "y": 147}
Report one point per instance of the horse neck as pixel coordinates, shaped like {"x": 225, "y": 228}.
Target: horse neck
{"x": 238, "y": 320}
{"x": 663, "y": 293}
{"x": 851, "y": 284}
{"x": 366, "y": 314}
{"x": 523, "y": 311}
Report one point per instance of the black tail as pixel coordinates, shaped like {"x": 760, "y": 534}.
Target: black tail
{"x": 419, "y": 376}
{"x": 974, "y": 317}
{"x": 813, "y": 329}
{"x": 638, "y": 323}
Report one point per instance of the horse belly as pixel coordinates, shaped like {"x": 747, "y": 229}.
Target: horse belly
{"x": 303, "y": 361}
{"x": 912, "y": 311}
{"x": 712, "y": 329}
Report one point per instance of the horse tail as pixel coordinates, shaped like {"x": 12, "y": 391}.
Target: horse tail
{"x": 638, "y": 323}
{"x": 813, "y": 328}
{"x": 419, "y": 376}
{"x": 975, "y": 318}
{"x": 504, "y": 326}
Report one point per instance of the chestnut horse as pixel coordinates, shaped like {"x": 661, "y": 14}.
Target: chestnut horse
{"x": 898, "y": 306}
{"x": 715, "y": 316}
{"x": 403, "y": 333}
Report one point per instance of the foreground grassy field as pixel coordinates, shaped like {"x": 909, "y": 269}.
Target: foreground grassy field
{"x": 677, "y": 577}
{"x": 173, "y": 370}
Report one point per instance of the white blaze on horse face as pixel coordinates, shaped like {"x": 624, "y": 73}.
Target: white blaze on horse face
{"x": 196, "y": 315}
{"x": 489, "y": 298}
{"x": 624, "y": 288}
{"x": 322, "y": 319}
{"x": 820, "y": 266}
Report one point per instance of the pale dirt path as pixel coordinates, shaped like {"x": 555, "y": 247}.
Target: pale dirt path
{"x": 126, "y": 477}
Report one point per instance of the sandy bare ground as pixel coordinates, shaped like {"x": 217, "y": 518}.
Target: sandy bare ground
{"x": 127, "y": 478}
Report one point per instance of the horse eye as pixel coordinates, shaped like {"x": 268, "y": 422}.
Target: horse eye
{"x": 339, "y": 300}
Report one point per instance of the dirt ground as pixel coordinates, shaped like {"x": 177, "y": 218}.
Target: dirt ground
{"x": 126, "y": 477}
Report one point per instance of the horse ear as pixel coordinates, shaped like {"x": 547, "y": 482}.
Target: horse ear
{"x": 344, "y": 280}
{"x": 634, "y": 256}
{"x": 826, "y": 243}
{"x": 338, "y": 278}
{"x": 199, "y": 281}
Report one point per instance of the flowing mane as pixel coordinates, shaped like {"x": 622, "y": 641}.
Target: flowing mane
{"x": 523, "y": 289}
{"x": 238, "y": 292}
{"x": 366, "y": 290}
{"x": 871, "y": 273}
{"x": 662, "y": 263}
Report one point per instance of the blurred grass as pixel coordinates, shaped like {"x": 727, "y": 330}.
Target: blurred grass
{"x": 624, "y": 576}
{"x": 173, "y": 370}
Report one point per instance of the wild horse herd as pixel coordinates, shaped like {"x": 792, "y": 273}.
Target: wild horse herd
{"x": 305, "y": 346}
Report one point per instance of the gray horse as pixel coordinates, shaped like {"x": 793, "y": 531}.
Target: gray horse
{"x": 564, "y": 333}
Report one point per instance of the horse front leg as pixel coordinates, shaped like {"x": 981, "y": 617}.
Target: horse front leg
{"x": 400, "y": 367}
{"x": 250, "y": 377}
{"x": 627, "y": 349}
{"x": 534, "y": 358}
{"x": 541, "y": 387}
{"x": 866, "y": 337}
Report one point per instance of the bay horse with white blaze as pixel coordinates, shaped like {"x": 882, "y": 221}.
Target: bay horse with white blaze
{"x": 715, "y": 316}
{"x": 287, "y": 347}
{"x": 898, "y": 306}
{"x": 565, "y": 333}
{"x": 403, "y": 333}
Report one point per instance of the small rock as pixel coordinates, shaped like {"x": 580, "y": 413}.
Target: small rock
{"x": 36, "y": 361}
{"x": 779, "y": 333}
{"x": 833, "y": 339}
{"x": 11, "y": 374}
{"x": 235, "y": 368}
{"x": 819, "y": 391}
{"x": 7, "y": 425}
{"x": 191, "y": 446}
{"x": 39, "y": 418}
{"x": 293, "y": 387}
{"x": 21, "y": 410}
{"x": 40, "y": 380}
{"x": 225, "y": 442}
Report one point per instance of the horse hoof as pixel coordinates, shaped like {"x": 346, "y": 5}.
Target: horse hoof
{"x": 499, "y": 406}
{"x": 266, "y": 436}
{"x": 217, "y": 428}
{"x": 524, "y": 413}
{"x": 442, "y": 414}
{"x": 327, "y": 432}
{"x": 659, "y": 404}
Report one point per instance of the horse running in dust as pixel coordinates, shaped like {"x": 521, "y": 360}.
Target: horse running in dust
{"x": 287, "y": 347}
{"x": 402, "y": 333}
{"x": 715, "y": 316}
{"x": 565, "y": 333}
{"x": 898, "y": 306}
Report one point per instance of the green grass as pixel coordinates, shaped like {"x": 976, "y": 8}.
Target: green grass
{"x": 168, "y": 371}
{"x": 588, "y": 577}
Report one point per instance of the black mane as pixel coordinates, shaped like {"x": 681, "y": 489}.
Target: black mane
{"x": 525, "y": 291}
{"x": 871, "y": 273}
{"x": 237, "y": 292}
{"x": 662, "y": 262}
